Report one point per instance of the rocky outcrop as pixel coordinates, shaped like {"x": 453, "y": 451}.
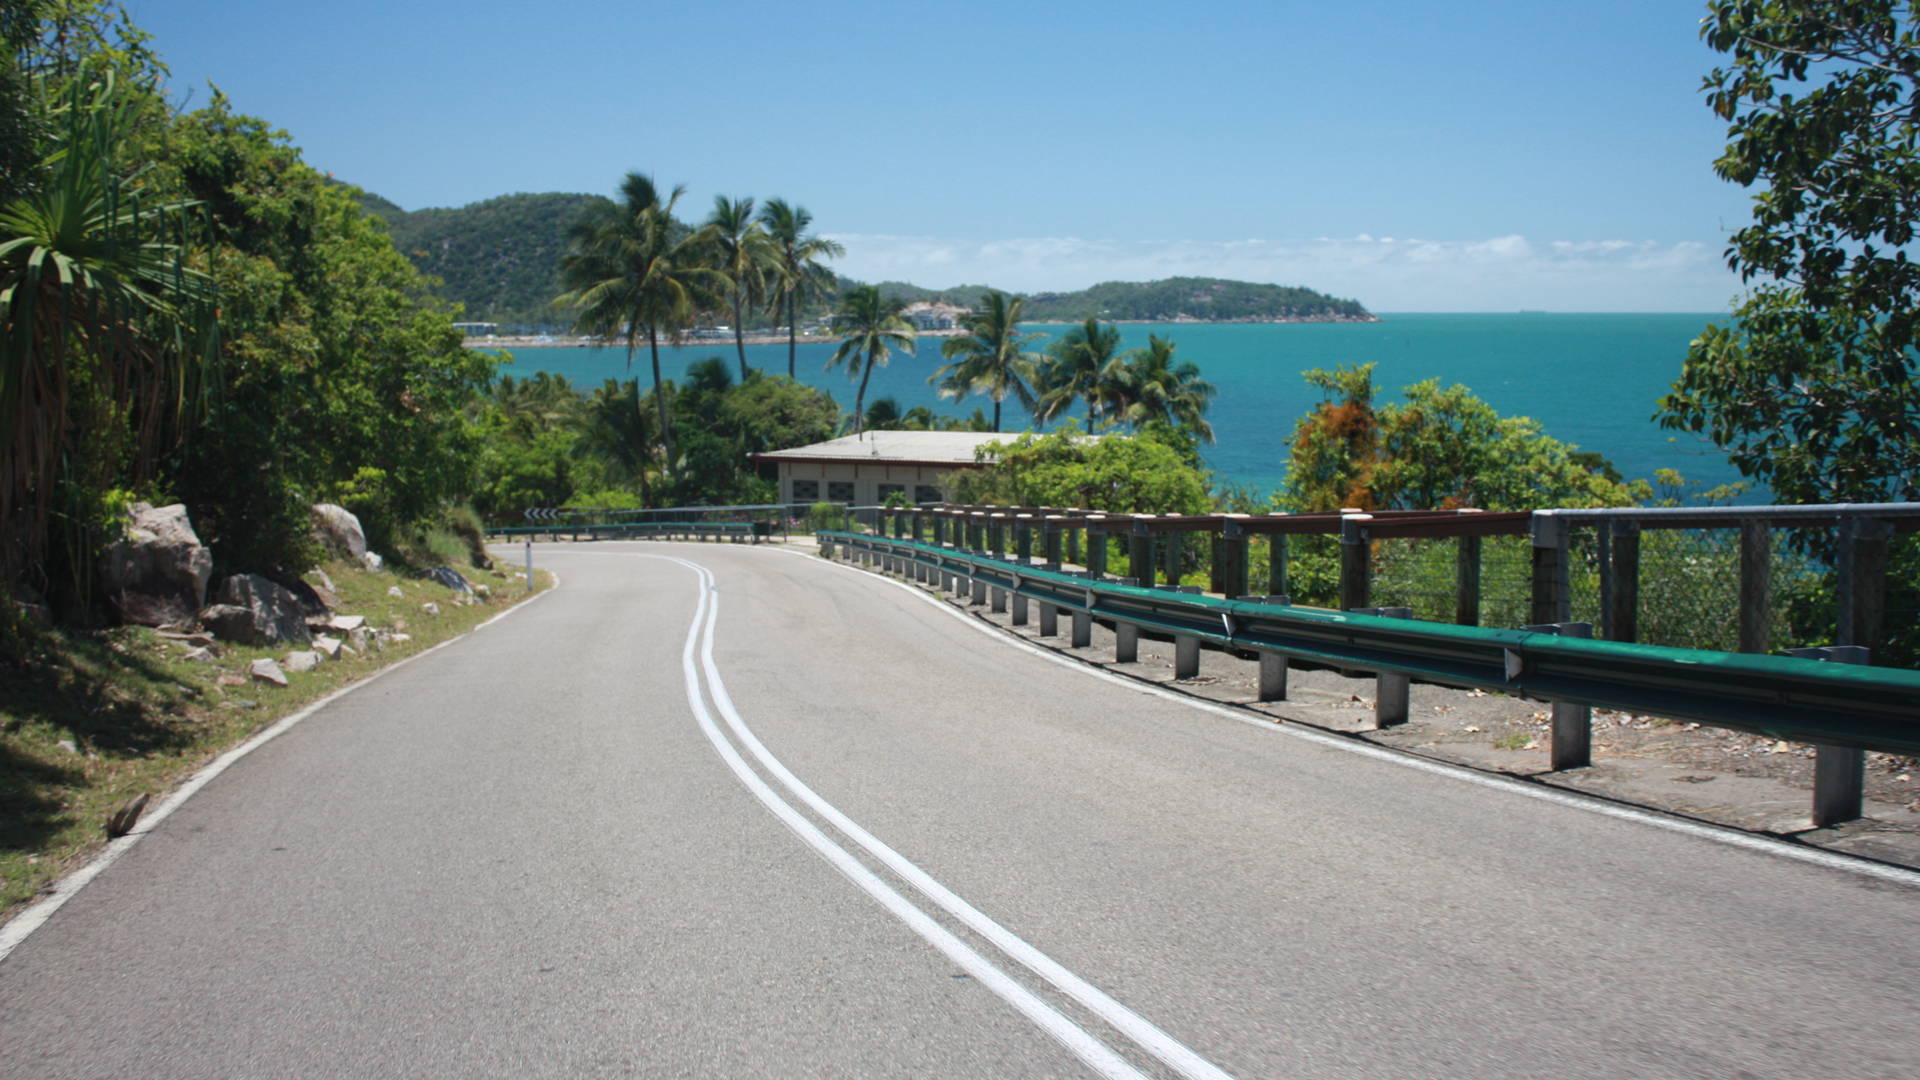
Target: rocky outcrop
{"x": 157, "y": 572}
{"x": 256, "y": 611}
{"x": 337, "y": 528}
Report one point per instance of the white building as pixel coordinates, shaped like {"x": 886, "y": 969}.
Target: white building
{"x": 864, "y": 470}
{"x": 926, "y": 315}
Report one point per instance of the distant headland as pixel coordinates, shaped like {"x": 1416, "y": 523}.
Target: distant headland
{"x": 499, "y": 259}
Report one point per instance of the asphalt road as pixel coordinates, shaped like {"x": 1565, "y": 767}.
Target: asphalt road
{"x": 875, "y": 841}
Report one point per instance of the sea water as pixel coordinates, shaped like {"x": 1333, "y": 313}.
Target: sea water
{"x": 1590, "y": 380}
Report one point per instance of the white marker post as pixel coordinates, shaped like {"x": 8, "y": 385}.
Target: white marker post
{"x": 529, "y": 564}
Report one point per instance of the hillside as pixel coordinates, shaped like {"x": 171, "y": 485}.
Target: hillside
{"x": 500, "y": 258}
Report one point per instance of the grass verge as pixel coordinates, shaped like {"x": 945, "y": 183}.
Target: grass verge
{"x": 89, "y": 720}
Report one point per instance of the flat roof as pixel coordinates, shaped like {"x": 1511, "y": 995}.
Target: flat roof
{"x": 900, "y": 447}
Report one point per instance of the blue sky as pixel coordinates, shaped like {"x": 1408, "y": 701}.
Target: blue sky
{"x": 1413, "y": 156}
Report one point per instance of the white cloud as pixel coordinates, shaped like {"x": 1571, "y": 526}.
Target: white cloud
{"x": 1500, "y": 273}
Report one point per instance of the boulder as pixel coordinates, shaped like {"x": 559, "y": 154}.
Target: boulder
{"x": 448, "y": 576}
{"x": 373, "y": 562}
{"x": 268, "y": 612}
{"x": 157, "y": 572}
{"x": 337, "y": 528}
{"x": 328, "y": 647}
{"x": 305, "y": 660}
{"x": 268, "y": 672}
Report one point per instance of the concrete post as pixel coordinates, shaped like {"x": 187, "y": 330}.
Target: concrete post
{"x": 1356, "y": 562}
{"x": 1141, "y": 556}
{"x": 1570, "y": 745}
{"x": 1126, "y": 643}
{"x": 1277, "y": 564}
{"x": 1082, "y": 629}
{"x": 1549, "y": 593}
{"x": 1096, "y": 547}
{"x": 1051, "y": 538}
{"x": 1023, "y": 538}
{"x": 1839, "y": 772}
{"x": 1391, "y": 690}
{"x": 1170, "y": 557}
{"x": 1756, "y": 586}
{"x": 1049, "y": 619}
{"x": 1466, "y": 582}
{"x": 1230, "y": 570}
{"x": 1019, "y": 617}
{"x": 1623, "y": 594}
{"x": 1862, "y": 569}
{"x": 1273, "y": 677}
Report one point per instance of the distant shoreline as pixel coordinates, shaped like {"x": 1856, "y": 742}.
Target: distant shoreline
{"x": 547, "y": 341}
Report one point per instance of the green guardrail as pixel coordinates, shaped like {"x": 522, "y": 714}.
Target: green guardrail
{"x": 1802, "y": 700}
{"x": 751, "y": 530}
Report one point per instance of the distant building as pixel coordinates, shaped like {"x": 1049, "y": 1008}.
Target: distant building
{"x": 476, "y": 329}
{"x": 865, "y": 470}
{"x": 927, "y": 315}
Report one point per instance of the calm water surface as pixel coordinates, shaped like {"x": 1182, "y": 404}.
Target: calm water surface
{"x": 1591, "y": 380}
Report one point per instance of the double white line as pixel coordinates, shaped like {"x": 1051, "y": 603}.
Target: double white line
{"x": 1088, "y": 1048}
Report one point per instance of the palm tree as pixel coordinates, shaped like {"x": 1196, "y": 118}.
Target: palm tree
{"x": 1082, "y": 366}
{"x": 870, "y": 329}
{"x": 537, "y": 404}
{"x": 797, "y": 256}
{"x": 107, "y": 333}
{"x": 633, "y": 270}
{"x": 746, "y": 255}
{"x": 989, "y": 359}
{"x": 1151, "y": 386}
{"x": 618, "y": 432}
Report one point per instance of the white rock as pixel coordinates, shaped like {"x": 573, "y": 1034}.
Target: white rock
{"x": 430, "y": 608}
{"x": 201, "y": 655}
{"x": 372, "y": 561}
{"x": 328, "y": 647}
{"x": 394, "y": 590}
{"x": 346, "y": 623}
{"x": 268, "y": 672}
{"x": 339, "y": 530}
{"x": 305, "y": 660}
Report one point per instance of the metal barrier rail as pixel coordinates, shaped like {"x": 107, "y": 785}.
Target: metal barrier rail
{"x": 1833, "y": 705}
{"x": 751, "y": 530}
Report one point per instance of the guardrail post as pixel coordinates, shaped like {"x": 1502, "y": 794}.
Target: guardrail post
{"x": 1570, "y": 745}
{"x": 1170, "y": 557}
{"x": 1023, "y": 538}
{"x": 1073, "y": 541}
{"x": 1082, "y": 629}
{"x": 1756, "y": 586}
{"x": 1096, "y": 547}
{"x": 1051, "y": 537}
{"x": 1126, "y": 638}
{"x": 1186, "y": 656}
{"x": 1839, "y": 772}
{"x": 1140, "y": 555}
{"x": 1277, "y": 564}
{"x": 1356, "y": 562}
{"x": 1049, "y": 619}
{"x": 1466, "y": 582}
{"x": 1273, "y": 665}
{"x": 1862, "y": 569}
{"x": 1549, "y": 592}
{"x": 1391, "y": 690}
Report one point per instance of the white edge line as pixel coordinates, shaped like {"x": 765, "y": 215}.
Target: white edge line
{"x": 1718, "y": 833}
{"x": 1082, "y": 1044}
{"x": 35, "y": 915}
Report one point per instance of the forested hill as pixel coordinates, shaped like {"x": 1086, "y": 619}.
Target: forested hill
{"x": 500, "y": 258}
{"x": 1195, "y": 299}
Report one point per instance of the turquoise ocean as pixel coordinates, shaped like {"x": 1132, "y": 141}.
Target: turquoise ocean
{"x": 1591, "y": 380}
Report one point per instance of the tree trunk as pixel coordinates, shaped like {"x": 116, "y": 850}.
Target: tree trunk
{"x": 740, "y": 337}
{"x": 996, "y": 414}
{"x": 860, "y": 399}
{"x": 790, "y": 336}
{"x": 660, "y": 399}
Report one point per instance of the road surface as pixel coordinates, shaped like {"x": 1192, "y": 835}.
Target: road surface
{"x": 716, "y": 811}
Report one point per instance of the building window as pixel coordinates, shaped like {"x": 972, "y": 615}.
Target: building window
{"x": 891, "y": 489}
{"x": 806, "y": 491}
{"x": 927, "y": 493}
{"x": 840, "y": 491}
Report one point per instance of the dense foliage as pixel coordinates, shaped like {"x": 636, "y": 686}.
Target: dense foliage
{"x": 1193, "y": 299}
{"x": 498, "y": 259}
{"x": 1125, "y": 474}
{"x": 1812, "y": 387}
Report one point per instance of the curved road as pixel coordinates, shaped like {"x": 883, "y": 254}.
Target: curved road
{"x": 730, "y": 812}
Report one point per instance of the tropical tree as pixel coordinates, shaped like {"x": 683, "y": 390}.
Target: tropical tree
{"x": 989, "y": 359}
{"x": 633, "y": 272}
{"x": 618, "y": 431}
{"x": 107, "y": 331}
{"x": 799, "y": 273}
{"x": 870, "y": 329}
{"x": 1151, "y": 386}
{"x": 746, "y": 255}
{"x": 541, "y": 402}
{"x": 1081, "y": 366}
